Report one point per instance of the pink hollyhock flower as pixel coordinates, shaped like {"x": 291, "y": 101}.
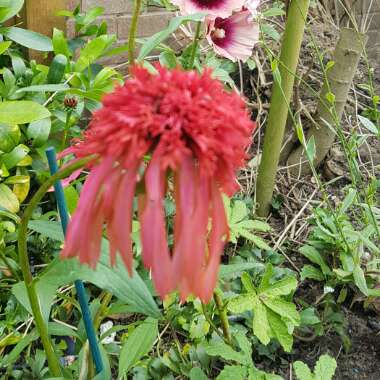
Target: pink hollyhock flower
{"x": 233, "y": 37}
{"x": 213, "y": 8}
{"x": 196, "y": 134}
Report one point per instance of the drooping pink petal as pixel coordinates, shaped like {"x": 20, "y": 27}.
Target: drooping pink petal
{"x": 156, "y": 255}
{"x": 121, "y": 223}
{"x": 217, "y": 240}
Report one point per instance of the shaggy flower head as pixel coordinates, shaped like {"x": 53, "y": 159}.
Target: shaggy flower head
{"x": 196, "y": 135}
{"x": 213, "y": 8}
{"x": 233, "y": 37}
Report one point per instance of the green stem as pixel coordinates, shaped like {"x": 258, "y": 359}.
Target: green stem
{"x": 222, "y": 315}
{"x": 41, "y": 326}
{"x": 66, "y": 130}
{"x": 132, "y": 32}
{"x": 281, "y": 96}
{"x": 195, "y": 45}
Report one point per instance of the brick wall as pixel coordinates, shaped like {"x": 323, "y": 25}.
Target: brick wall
{"x": 117, "y": 15}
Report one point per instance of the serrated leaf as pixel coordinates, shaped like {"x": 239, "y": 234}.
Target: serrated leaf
{"x": 260, "y": 323}
{"x": 282, "y": 287}
{"x": 280, "y": 330}
{"x": 258, "y": 241}
{"x": 308, "y": 271}
{"x": 244, "y": 344}
{"x": 239, "y": 211}
{"x": 241, "y": 303}
{"x": 325, "y": 368}
{"x": 257, "y": 225}
{"x": 226, "y": 352}
{"x": 232, "y": 372}
{"x": 284, "y": 308}
{"x": 302, "y": 371}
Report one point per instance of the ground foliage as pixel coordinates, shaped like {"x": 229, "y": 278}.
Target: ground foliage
{"x": 300, "y": 289}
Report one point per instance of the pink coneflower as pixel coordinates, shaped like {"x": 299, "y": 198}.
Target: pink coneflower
{"x": 233, "y": 37}
{"x": 178, "y": 134}
{"x": 213, "y": 8}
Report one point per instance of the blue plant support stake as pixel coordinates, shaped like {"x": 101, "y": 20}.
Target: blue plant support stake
{"x": 82, "y": 298}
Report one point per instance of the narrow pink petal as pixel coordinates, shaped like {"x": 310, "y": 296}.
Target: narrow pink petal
{"x": 156, "y": 255}
{"x": 218, "y": 234}
{"x": 121, "y": 223}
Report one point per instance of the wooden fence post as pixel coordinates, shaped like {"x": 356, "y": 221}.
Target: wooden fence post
{"x": 40, "y": 16}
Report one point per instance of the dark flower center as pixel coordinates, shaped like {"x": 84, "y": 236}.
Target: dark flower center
{"x": 207, "y": 4}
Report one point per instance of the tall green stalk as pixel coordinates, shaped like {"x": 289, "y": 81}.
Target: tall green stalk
{"x": 34, "y": 301}
{"x": 281, "y": 95}
{"x": 133, "y": 31}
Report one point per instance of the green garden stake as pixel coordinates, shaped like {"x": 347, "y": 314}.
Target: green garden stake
{"x": 79, "y": 286}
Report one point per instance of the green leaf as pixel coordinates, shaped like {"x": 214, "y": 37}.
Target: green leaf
{"x": 60, "y": 45}
{"x": 45, "y": 88}
{"x": 239, "y": 211}
{"x": 325, "y": 368}
{"x": 265, "y": 280}
{"x": 21, "y": 112}
{"x": 308, "y": 317}
{"x": 38, "y": 131}
{"x": 131, "y": 290}
{"x": 302, "y": 371}
{"x": 4, "y": 46}
{"x": 282, "y": 287}
{"x": 29, "y": 39}
{"x": 72, "y": 198}
{"x": 360, "y": 280}
{"x": 315, "y": 257}
{"x": 197, "y": 374}
{"x": 311, "y": 149}
{"x": 244, "y": 344}
{"x": 9, "y": 137}
{"x": 11, "y": 159}
{"x": 138, "y": 344}
{"x": 226, "y": 352}
{"x": 168, "y": 59}
{"x": 348, "y": 201}
{"x": 234, "y": 269}
{"x": 260, "y": 324}
{"x": 92, "y": 51}
{"x": 258, "y": 241}
{"x": 59, "y": 329}
{"x": 10, "y": 9}
{"x": 270, "y": 31}
{"x": 20, "y": 346}
{"x": 235, "y": 372}
{"x": 284, "y": 308}
{"x": 368, "y": 124}
{"x": 161, "y": 36}
{"x": 280, "y": 330}
{"x": 308, "y": 271}
{"x": 8, "y": 200}
{"x": 271, "y": 12}
{"x": 242, "y": 303}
